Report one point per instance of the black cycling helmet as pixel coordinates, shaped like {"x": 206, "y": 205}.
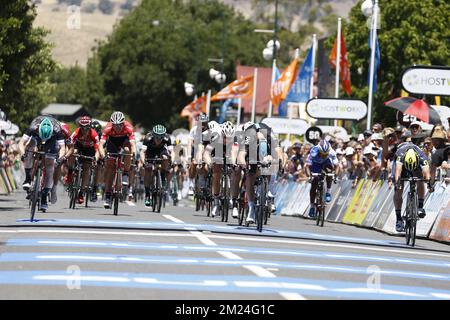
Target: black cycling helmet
{"x": 96, "y": 125}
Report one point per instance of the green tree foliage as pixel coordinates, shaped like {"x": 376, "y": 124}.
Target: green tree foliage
{"x": 25, "y": 62}
{"x": 70, "y": 85}
{"x": 411, "y": 32}
{"x": 143, "y": 64}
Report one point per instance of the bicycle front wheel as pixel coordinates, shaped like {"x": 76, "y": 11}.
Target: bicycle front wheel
{"x": 116, "y": 205}
{"x": 35, "y": 197}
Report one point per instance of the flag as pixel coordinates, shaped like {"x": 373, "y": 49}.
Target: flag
{"x": 282, "y": 108}
{"x": 304, "y": 76}
{"x": 344, "y": 71}
{"x": 194, "y": 108}
{"x": 239, "y": 88}
{"x": 224, "y": 108}
{"x": 281, "y": 87}
{"x": 377, "y": 61}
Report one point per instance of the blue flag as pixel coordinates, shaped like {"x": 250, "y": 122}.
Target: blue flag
{"x": 224, "y": 108}
{"x": 377, "y": 61}
{"x": 302, "y": 85}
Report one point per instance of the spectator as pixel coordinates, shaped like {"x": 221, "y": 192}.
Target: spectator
{"x": 371, "y": 164}
{"x": 439, "y": 158}
{"x": 342, "y": 163}
{"x": 427, "y": 147}
{"x": 399, "y": 131}
{"x": 359, "y": 165}
{"x": 377, "y": 128}
{"x": 349, "y": 167}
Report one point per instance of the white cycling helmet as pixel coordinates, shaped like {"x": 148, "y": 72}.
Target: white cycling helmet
{"x": 213, "y": 126}
{"x": 228, "y": 129}
{"x": 117, "y": 118}
{"x": 248, "y": 125}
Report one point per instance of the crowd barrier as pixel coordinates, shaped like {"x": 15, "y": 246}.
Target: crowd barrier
{"x": 369, "y": 204}
{"x": 9, "y": 179}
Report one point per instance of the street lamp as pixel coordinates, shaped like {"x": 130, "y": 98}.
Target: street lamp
{"x": 217, "y": 75}
{"x": 370, "y": 9}
{"x": 189, "y": 88}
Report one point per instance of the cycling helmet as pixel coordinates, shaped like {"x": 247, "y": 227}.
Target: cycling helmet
{"x": 324, "y": 148}
{"x": 411, "y": 160}
{"x": 65, "y": 129}
{"x": 213, "y": 126}
{"x": 45, "y": 129}
{"x": 117, "y": 118}
{"x": 159, "y": 130}
{"x": 96, "y": 125}
{"x": 202, "y": 117}
{"x": 85, "y": 121}
{"x": 228, "y": 129}
{"x": 248, "y": 125}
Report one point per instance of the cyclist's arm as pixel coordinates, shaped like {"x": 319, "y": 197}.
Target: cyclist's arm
{"x": 398, "y": 171}
{"x": 23, "y": 142}
{"x": 101, "y": 148}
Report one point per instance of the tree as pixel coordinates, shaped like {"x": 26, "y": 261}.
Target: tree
{"x": 70, "y": 85}
{"x": 412, "y": 32}
{"x": 143, "y": 65}
{"x": 25, "y": 63}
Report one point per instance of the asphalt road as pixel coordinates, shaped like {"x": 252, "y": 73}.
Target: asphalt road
{"x": 182, "y": 254}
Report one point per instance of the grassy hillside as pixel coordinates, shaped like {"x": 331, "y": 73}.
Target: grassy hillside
{"x": 72, "y": 45}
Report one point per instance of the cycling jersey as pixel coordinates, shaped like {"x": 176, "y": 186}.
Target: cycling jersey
{"x": 51, "y": 145}
{"x": 402, "y": 148}
{"x": 90, "y": 140}
{"x": 316, "y": 163}
{"x": 118, "y": 137}
{"x": 153, "y": 150}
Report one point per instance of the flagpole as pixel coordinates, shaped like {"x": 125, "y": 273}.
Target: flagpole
{"x": 314, "y": 48}
{"x": 239, "y": 112}
{"x": 338, "y": 63}
{"x": 274, "y": 65}
{"x": 372, "y": 63}
{"x": 208, "y": 103}
{"x": 255, "y": 85}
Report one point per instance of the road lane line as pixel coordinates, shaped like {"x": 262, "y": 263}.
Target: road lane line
{"x": 150, "y": 234}
{"x": 171, "y": 218}
{"x": 130, "y": 203}
{"x": 292, "y": 296}
{"x": 203, "y": 239}
{"x": 229, "y": 255}
{"x": 260, "y": 271}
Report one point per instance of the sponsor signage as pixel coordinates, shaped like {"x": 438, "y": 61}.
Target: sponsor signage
{"x": 405, "y": 119}
{"x": 429, "y": 80}
{"x": 333, "y": 108}
{"x": 287, "y": 126}
{"x": 313, "y": 135}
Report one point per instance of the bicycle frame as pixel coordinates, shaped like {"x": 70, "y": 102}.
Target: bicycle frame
{"x": 38, "y": 174}
{"x": 320, "y": 203}
{"x": 117, "y": 182}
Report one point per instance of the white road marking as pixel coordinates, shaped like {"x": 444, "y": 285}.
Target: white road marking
{"x": 150, "y": 234}
{"x": 292, "y": 296}
{"x": 260, "y": 271}
{"x": 229, "y": 255}
{"x": 203, "y": 239}
{"x": 168, "y": 216}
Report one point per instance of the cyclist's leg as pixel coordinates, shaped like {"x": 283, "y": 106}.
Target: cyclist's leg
{"x": 420, "y": 194}
{"x": 110, "y": 171}
{"x": 216, "y": 175}
{"x": 249, "y": 186}
{"x": 49, "y": 163}
{"x": 148, "y": 184}
{"x": 28, "y": 162}
{"x": 235, "y": 180}
{"x": 329, "y": 168}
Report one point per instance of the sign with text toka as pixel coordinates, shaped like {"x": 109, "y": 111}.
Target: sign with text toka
{"x": 333, "y": 108}
{"x": 429, "y": 80}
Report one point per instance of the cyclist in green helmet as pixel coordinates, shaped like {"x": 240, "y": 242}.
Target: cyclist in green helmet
{"x": 45, "y": 134}
{"x": 155, "y": 145}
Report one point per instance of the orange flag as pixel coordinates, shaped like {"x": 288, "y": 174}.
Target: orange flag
{"x": 239, "y": 88}
{"x": 281, "y": 87}
{"x": 344, "y": 71}
{"x": 195, "y": 107}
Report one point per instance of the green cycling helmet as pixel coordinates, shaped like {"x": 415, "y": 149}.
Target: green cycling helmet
{"x": 46, "y": 129}
{"x": 159, "y": 130}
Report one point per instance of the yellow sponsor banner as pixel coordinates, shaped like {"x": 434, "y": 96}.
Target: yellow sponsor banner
{"x": 349, "y": 213}
{"x": 362, "y": 201}
{"x": 3, "y": 188}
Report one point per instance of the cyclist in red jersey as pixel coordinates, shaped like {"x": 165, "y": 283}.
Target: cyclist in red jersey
{"x": 84, "y": 142}
{"x": 118, "y": 136}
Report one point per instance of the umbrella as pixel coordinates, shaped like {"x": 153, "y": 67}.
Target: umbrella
{"x": 415, "y": 107}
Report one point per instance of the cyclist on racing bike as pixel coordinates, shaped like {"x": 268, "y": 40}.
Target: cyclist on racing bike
{"x": 410, "y": 162}
{"x": 84, "y": 142}
{"x": 222, "y": 145}
{"x": 155, "y": 145}
{"x": 118, "y": 135}
{"x": 59, "y": 166}
{"x": 98, "y": 170}
{"x": 257, "y": 143}
{"x": 321, "y": 158}
{"x": 44, "y": 132}
{"x": 193, "y": 145}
